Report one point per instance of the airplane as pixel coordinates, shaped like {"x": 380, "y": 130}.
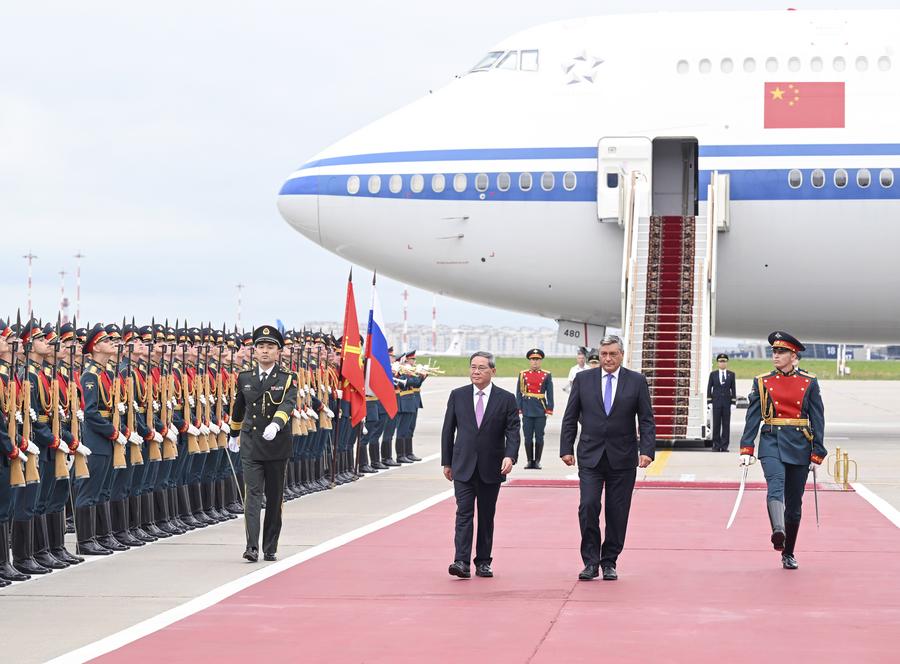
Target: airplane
{"x": 535, "y": 182}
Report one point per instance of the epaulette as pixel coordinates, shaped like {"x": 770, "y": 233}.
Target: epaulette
{"x": 246, "y": 371}
{"x": 768, "y": 373}
{"x": 94, "y": 369}
{"x": 806, "y": 373}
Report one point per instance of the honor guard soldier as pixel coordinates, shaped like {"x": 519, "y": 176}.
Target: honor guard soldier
{"x": 721, "y": 395}
{"x": 787, "y": 403}
{"x": 265, "y": 398}
{"x": 534, "y": 397}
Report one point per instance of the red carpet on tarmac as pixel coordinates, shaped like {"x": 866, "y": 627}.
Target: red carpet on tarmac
{"x": 688, "y": 591}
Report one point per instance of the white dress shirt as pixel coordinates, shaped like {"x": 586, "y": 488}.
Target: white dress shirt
{"x": 263, "y": 373}
{"x": 487, "y": 395}
{"x": 574, "y": 371}
{"x": 615, "y": 384}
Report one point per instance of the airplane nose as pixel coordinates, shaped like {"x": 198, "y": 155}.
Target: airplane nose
{"x": 298, "y": 203}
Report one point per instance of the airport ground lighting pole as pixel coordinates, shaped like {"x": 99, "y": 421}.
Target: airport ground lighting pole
{"x": 405, "y": 336}
{"x": 433, "y": 323}
{"x": 240, "y": 287}
{"x": 29, "y": 257}
{"x": 78, "y": 258}
{"x": 62, "y": 293}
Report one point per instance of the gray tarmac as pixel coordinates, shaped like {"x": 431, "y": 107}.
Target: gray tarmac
{"x": 106, "y": 595}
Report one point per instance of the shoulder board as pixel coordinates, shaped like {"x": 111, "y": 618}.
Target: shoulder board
{"x": 804, "y": 372}
{"x": 246, "y": 372}
{"x": 93, "y": 369}
{"x": 763, "y": 375}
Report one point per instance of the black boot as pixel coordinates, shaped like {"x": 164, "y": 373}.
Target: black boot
{"x": 22, "y": 542}
{"x": 118, "y": 512}
{"x": 290, "y": 481}
{"x": 208, "y": 493}
{"x": 790, "y": 540}
{"x": 538, "y": 452}
{"x": 221, "y": 504}
{"x": 386, "y": 457}
{"x": 7, "y": 571}
{"x": 85, "y": 523}
{"x": 164, "y": 521}
{"x": 185, "y": 511}
{"x": 103, "y": 529}
{"x": 41, "y": 543}
{"x": 70, "y": 518}
{"x": 56, "y": 535}
{"x": 363, "y": 452}
{"x": 529, "y": 455}
{"x": 409, "y": 450}
{"x": 776, "y": 519}
{"x": 400, "y": 446}
{"x": 374, "y": 456}
{"x": 196, "y": 503}
{"x": 176, "y": 513}
{"x": 136, "y": 520}
{"x": 234, "y": 501}
{"x": 148, "y": 517}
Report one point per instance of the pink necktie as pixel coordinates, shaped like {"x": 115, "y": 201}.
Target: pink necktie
{"x": 479, "y": 409}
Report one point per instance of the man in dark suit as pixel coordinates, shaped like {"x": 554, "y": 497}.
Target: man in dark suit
{"x": 721, "y": 394}
{"x": 607, "y": 401}
{"x": 265, "y": 397}
{"x": 479, "y": 445}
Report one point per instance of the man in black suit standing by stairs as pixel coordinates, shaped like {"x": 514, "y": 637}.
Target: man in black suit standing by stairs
{"x": 721, "y": 394}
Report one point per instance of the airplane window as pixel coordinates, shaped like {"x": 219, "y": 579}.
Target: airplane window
{"x": 863, "y": 178}
{"x": 817, "y": 179}
{"x": 374, "y": 184}
{"x": 525, "y": 181}
{"x": 529, "y": 61}
{"x": 438, "y": 183}
{"x": 547, "y": 181}
{"x": 772, "y": 64}
{"x": 795, "y": 178}
{"x": 459, "y": 182}
{"x": 840, "y": 178}
{"x": 395, "y": 184}
{"x": 683, "y": 67}
{"x": 886, "y": 177}
{"x": 884, "y": 63}
{"x": 727, "y": 65}
{"x": 569, "y": 181}
{"x": 353, "y": 184}
{"x": 503, "y": 181}
{"x": 481, "y": 182}
{"x": 749, "y": 65}
{"x": 487, "y": 61}
{"x": 612, "y": 180}
{"x": 862, "y": 63}
{"x": 839, "y": 64}
{"x": 816, "y": 64}
{"x": 794, "y": 64}
{"x": 510, "y": 61}
{"x": 705, "y": 66}
{"x": 417, "y": 183}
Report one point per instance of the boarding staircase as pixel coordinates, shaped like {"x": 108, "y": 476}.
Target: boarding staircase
{"x": 668, "y": 307}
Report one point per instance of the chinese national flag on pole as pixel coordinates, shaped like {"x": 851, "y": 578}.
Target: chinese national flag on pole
{"x": 804, "y": 105}
{"x": 351, "y": 360}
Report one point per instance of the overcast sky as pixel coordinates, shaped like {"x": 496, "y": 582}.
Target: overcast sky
{"x": 153, "y": 137}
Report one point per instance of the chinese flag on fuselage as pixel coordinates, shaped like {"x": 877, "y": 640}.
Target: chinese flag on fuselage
{"x": 804, "y": 105}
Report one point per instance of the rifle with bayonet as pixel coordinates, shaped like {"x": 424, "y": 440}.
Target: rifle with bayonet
{"x": 81, "y": 466}
{"x": 10, "y": 405}
{"x": 200, "y": 399}
{"x": 193, "y": 443}
{"x": 60, "y": 469}
{"x": 32, "y": 476}
{"x": 153, "y": 451}
{"x": 134, "y": 455}
{"x": 222, "y": 436}
{"x": 167, "y": 394}
{"x": 118, "y": 451}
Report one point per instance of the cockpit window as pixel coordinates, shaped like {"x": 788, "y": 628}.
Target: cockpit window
{"x": 509, "y": 61}
{"x": 488, "y": 61}
{"x": 529, "y": 61}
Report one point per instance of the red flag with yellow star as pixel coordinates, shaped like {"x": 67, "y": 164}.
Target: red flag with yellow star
{"x": 351, "y": 360}
{"x": 804, "y": 105}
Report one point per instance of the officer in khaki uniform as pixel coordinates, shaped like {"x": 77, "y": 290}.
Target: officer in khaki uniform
{"x": 265, "y": 397}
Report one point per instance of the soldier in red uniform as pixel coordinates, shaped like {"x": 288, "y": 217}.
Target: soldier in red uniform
{"x": 534, "y": 398}
{"x": 787, "y": 403}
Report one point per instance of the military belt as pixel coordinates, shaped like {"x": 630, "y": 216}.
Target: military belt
{"x": 105, "y": 413}
{"x": 786, "y": 421}
{"x": 406, "y": 392}
{"x": 536, "y": 395}
{"x": 43, "y": 418}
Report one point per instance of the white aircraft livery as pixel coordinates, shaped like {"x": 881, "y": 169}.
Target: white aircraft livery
{"x": 522, "y": 183}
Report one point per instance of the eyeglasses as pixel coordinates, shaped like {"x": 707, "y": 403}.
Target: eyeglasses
{"x": 477, "y": 368}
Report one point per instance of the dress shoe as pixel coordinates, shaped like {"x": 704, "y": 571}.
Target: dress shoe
{"x": 460, "y": 569}
{"x": 788, "y": 561}
{"x": 389, "y": 461}
{"x": 589, "y": 572}
{"x": 484, "y": 569}
{"x": 49, "y": 561}
{"x": 778, "y": 540}
{"x": 251, "y": 554}
{"x": 537, "y": 465}
{"x": 269, "y": 557}
{"x": 609, "y": 573}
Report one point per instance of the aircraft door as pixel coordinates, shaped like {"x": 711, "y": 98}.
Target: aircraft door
{"x": 675, "y": 177}
{"x": 622, "y": 162}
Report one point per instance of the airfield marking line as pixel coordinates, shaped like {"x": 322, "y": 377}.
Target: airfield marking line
{"x": 659, "y": 463}
{"x": 879, "y": 503}
{"x": 216, "y": 595}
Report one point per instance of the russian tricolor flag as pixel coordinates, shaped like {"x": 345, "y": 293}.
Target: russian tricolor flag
{"x": 379, "y": 378}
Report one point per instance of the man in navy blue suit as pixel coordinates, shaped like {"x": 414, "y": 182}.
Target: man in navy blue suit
{"x": 479, "y": 445}
{"x": 610, "y": 402}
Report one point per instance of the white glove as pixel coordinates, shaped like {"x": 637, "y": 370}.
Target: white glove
{"x": 234, "y": 444}
{"x": 172, "y": 403}
{"x": 121, "y": 439}
{"x": 224, "y": 400}
{"x": 32, "y": 448}
{"x": 340, "y": 394}
{"x": 747, "y": 459}
{"x": 172, "y": 433}
{"x": 83, "y": 450}
{"x": 157, "y": 437}
{"x": 271, "y": 431}
{"x": 303, "y": 415}
{"x": 135, "y": 439}
{"x": 23, "y": 456}
{"x": 33, "y": 415}
{"x": 63, "y": 447}
{"x": 122, "y": 407}
{"x": 134, "y": 405}
{"x": 156, "y": 406}
{"x": 296, "y": 414}
{"x": 214, "y": 428}
{"x": 310, "y": 412}
{"x": 19, "y": 416}
{"x": 193, "y": 431}
{"x": 80, "y": 415}
{"x": 329, "y": 412}
{"x": 212, "y": 400}
{"x": 202, "y": 400}
{"x": 204, "y": 430}
{"x": 62, "y": 411}
{"x": 191, "y": 400}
